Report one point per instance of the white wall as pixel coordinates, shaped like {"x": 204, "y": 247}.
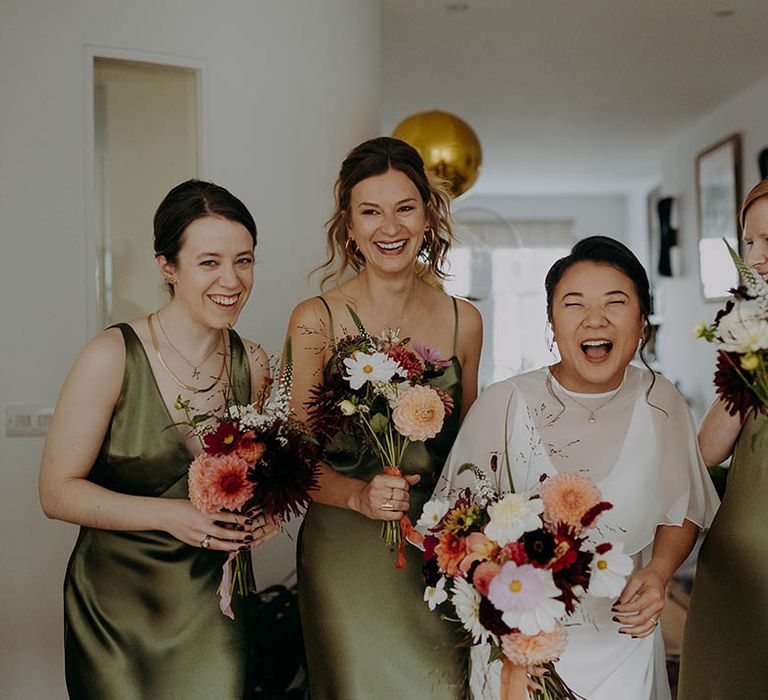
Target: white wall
{"x": 289, "y": 87}
{"x": 689, "y": 361}
{"x": 593, "y": 215}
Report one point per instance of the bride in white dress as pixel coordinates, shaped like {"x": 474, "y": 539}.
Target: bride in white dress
{"x": 632, "y": 433}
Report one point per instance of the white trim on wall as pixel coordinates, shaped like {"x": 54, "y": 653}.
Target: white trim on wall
{"x": 91, "y": 291}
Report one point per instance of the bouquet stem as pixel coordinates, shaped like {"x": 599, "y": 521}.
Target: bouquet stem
{"x": 553, "y": 686}
{"x": 243, "y": 581}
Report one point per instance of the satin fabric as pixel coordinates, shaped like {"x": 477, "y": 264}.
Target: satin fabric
{"x": 142, "y": 620}
{"x": 368, "y": 633}
{"x": 726, "y": 633}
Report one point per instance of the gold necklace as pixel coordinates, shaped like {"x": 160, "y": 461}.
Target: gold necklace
{"x": 171, "y": 373}
{"x": 590, "y": 411}
{"x": 195, "y": 368}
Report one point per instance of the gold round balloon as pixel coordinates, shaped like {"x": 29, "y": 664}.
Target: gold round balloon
{"x": 449, "y": 146}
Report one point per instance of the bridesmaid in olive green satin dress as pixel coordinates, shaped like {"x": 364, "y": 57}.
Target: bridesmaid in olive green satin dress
{"x": 726, "y": 633}
{"x": 368, "y": 633}
{"x": 142, "y": 619}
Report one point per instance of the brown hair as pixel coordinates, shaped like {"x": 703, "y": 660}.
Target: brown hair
{"x": 758, "y": 191}
{"x": 376, "y": 157}
{"x": 187, "y": 202}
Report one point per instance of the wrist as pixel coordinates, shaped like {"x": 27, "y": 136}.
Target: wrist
{"x": 353, "y": 501}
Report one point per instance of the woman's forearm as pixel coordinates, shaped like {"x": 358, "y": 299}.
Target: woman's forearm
{"x": 671, "y": 546}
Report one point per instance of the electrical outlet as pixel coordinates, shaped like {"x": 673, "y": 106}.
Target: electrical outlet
{"x": 27, "y": 421}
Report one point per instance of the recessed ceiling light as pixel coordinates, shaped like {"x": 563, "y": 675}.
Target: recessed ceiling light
{"x": 457, "y": 6}
{"x": 725, "y": 12}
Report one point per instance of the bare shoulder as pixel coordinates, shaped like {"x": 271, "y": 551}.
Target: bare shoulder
{"x": 104, "y": 353}
{"x": 470, "y": 320}
{"x": 257, "y": 356}
{"x": 311, "y": 314}
{"x": 99, "y": 368}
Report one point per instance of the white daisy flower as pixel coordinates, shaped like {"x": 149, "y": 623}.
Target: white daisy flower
{"x": 466, "y": 600}
{"x": 434, "y": 595}
{"x": 432, "y": 514}
{"x": 374, "y": 367}
{"x": 609, "y": 571}
{"x": 513, "y": 515}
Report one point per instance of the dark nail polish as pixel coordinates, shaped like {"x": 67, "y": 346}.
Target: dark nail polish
{"x": 622, "y": 632}
{"x": 248, "y": 538}
{"x": 249, "y": 521}
{"x": 241, "y": 528}
{"x": 615, "y": 619}
{"x": 244, "y": 548}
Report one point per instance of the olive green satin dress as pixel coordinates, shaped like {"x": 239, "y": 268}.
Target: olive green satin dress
{"x": 726, "y": 633}
{"x": 368, "y": 633}
{"x": 142, "y": 620}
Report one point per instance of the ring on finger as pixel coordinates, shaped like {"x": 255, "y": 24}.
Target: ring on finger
{"x": 654, "y": 621}
{"x": 387, "y": 505}
{"x": 205, "y": 543}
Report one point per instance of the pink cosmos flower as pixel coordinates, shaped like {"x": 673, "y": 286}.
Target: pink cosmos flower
{"x": 526, "y": 596}
{"x": 419, "y": 413}
{"x": 534, "y": 650}
{"x": 219, "y": 483}
{"x": 430, "y": 355}
{"x": 568, "y": 497}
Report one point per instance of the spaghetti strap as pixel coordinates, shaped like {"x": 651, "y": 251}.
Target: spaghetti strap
{"x": 330, "y": 319}
{"x": 455, "y": 324}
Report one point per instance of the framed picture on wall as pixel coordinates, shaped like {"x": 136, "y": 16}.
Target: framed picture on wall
{"x": 718, "y": 192}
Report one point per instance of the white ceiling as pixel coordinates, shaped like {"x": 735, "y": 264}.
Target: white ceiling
{"x": 569, "y": 95}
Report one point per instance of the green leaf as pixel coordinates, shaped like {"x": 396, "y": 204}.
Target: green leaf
{"x": 199, "y": 418}
{"x": 358, "y": 322}
{"x": 379, "y": 423}
{"x": 497, "y": 654}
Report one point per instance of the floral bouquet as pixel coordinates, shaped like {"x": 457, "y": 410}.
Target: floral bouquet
{"x": 740, "y": 334}
{"x": 514, "y": 566}
{"x": 379, "y": 389}
{"x": 253, "y": 458}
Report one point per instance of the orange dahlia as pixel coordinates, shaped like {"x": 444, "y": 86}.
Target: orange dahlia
{"x": 567, "y": 498}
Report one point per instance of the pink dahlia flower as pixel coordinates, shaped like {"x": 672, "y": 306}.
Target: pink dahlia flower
{"x": 219, "y": 483}
{"x": 419, "y": 413}
{"x": 534, "y": 650}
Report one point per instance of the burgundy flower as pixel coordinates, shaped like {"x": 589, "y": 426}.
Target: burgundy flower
{"x": 223, "y": 440}
{"x": 731, "y": 388}
{"x": 539, "y": 547}
{"x": 490, "y": 618}
{"x": 287, "y": 473}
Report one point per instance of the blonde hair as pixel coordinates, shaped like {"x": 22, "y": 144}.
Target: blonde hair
{"x": 376, "y": 157}
{"x": 758, "y": 191}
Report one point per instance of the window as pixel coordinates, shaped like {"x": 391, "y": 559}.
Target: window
{"x": 500, "y": 267}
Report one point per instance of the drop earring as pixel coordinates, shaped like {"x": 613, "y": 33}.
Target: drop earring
{"x": 549, "y": 336}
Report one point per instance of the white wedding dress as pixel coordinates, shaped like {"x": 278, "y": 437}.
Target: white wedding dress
{"x": 642, "y": 454}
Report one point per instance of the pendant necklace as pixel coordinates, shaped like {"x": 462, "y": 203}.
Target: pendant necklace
{"x": 591, "y": 412}
{"x": 195, "y": 368}
{"x": 171, "y": 373}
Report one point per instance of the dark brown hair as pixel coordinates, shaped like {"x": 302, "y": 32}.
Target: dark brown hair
{"x": 187, "y": 202}
{"x": 376, "y": 157}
